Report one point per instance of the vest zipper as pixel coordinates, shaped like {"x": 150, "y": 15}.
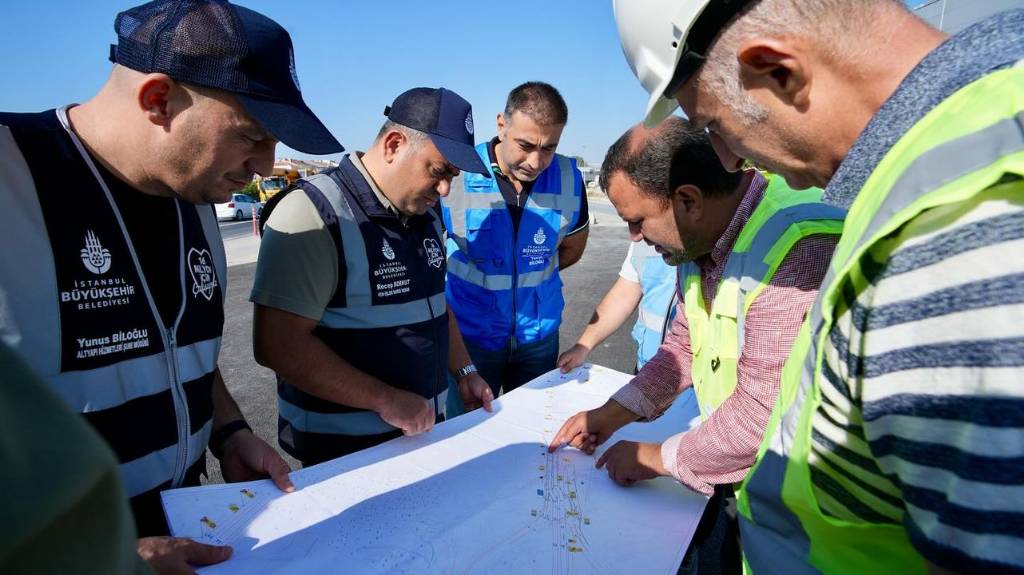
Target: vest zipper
{"x": 437, "y": 353}
{"x": 166, "y": 335}
{"x": 177, "y": 390}
{"x": 515, "y": 277}
{"x": 181, "y": 415}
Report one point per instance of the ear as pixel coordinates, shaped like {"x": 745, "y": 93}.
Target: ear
{"x": 156, "y": 97}
{"x": 393, "y": 143}
{"x": 779, "y": 65}
{"x": 501, "y": 126}
{"x": 688, "y": 202}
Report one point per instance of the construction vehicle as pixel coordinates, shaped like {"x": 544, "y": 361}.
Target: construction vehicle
{"x": 284, "y": 175}
{"x": 288, "y": 172}
{"x": 270, "y": 186}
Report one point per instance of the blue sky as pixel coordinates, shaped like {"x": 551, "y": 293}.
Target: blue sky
{"x": 354, "y": 56}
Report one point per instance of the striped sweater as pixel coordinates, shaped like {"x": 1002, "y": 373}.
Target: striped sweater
{"x": 923, "y": 389}
{"x": 922, "y": 415}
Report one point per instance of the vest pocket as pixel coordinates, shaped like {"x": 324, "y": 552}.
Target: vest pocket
{"x": 475, "y": 307}
{"x": 478, "y": 230}
{"x": 547, "y": 303}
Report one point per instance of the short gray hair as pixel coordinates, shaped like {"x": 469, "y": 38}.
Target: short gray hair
{"x": 836, "y": 26}
{"x": 414, "y": 137}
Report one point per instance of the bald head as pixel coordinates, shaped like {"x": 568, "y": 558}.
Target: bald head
{"x": 669, "y": 155}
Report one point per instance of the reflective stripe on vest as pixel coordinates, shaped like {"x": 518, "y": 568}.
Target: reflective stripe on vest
{"x": 120, "y": 375}
{"x": 566, "y": 202}
{"x": 356, "y": 313}
{"x": 144, "y": 473}
{"x": 90, "y": 390}
{"x": 497, "y": 272}
{"x": 359, "y": 311}
{"x": 781, "y": 219}
{"x": 657, "y": 303}
{"x": 960, "y": 148}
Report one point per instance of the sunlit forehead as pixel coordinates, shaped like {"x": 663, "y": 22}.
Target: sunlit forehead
{"x": 526, "y": 132}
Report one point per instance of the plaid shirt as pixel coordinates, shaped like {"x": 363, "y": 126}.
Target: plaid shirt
{"x": 723, "y": 447}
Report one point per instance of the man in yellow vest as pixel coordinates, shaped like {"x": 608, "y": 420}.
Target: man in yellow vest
{"x": 751, "y": 255}
{"x": 896, "y": 445}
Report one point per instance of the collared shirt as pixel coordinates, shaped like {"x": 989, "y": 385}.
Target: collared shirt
{"x": 723, "y": 447}
{"x": 514, "y": 200}
{"x": 357, "y": 161}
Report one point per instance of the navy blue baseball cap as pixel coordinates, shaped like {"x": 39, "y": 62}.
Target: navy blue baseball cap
{"x": 446, "y": 118}
{"x": 216, "y": 44}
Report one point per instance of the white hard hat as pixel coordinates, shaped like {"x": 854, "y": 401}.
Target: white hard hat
{"x": 665, "y": 42}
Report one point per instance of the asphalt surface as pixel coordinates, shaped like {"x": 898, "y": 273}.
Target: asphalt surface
{"x": 231, "y": 230}
{"x": 253, "y": 386}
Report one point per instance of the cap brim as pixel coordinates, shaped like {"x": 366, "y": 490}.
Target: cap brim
{"x": 462, "y": 156}
{"x": 293, "y": 125}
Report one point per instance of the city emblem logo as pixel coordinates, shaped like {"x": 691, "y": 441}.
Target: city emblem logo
{"x": 204, "y": 279}
{"x": 469, "y": 122}
{"x": 539, "y": 237}
{"x": 95, "y": 257}
{"x": 386, "y": 250}
{"x": 434, "y": 256}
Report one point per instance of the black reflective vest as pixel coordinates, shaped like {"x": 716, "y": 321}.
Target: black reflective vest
{"x": 74, "y": 303}
{"x": 387, "y": 318}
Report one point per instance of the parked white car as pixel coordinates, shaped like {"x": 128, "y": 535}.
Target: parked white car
{"x": 240, "y": 207}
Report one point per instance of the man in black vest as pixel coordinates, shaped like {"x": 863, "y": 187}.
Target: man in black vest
{"x": 350, "y": 287}
{"x": 114, "y": 293}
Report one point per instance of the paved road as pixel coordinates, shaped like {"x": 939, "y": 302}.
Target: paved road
{"x": 585, "y": 283}
{"x": 231, "y": 230}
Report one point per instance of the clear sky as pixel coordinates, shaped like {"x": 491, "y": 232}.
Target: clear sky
{"x": 354, "y": 56}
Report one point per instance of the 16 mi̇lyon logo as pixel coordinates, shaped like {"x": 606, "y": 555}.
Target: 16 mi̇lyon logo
{"x": 204, "y": 280}
{"x": 433, "y": 249}
{"x": 95, "y": 257}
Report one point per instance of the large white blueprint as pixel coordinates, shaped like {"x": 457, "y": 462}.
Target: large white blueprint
{"x": 478, "y": 494}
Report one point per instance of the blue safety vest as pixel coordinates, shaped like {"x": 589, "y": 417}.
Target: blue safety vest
{"x": 658, "y": 303}
{"x": 502, "y": 284}
{"x": 387, "y": 316}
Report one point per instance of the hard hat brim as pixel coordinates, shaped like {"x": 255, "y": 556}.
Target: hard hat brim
{"x": 659, "y": 108}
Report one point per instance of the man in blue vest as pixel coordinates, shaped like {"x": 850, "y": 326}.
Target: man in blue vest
{"x": 349, "y": 288}
{"x": 510, "y": 232}
{"x": 121, "y": 308}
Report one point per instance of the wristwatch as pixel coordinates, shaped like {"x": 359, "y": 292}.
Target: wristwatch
{"x": 220, "y": 436}
{"x": 465, "y": 371}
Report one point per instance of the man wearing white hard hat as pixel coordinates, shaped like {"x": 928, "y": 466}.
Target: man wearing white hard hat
{"x": 896, "y": 442}
{"x": 750, "y": 255}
